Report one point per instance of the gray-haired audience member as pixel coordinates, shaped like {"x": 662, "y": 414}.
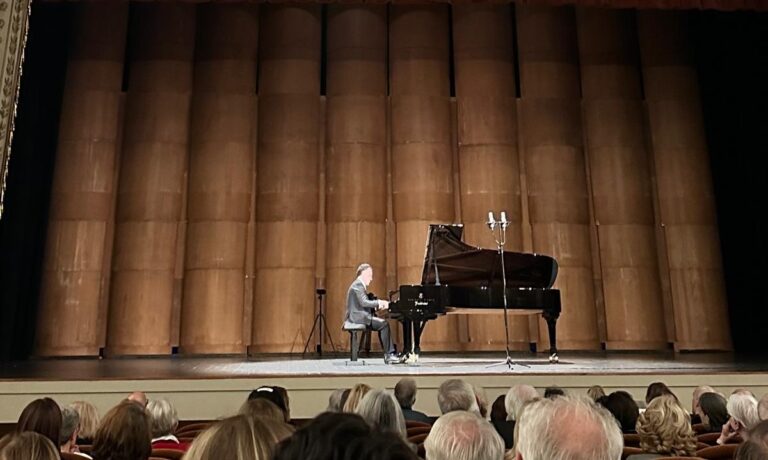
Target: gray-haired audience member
{"x": 742, "y": 407}
{"x": 567, "y": 428}
{"x": 517, "y": 397}
{"x": 70, "y": 428}
{"x": 456, "y": 394}
{"x": 461, "y": 435}
{"x": 762, "y": 408}
{"x": 334, "y": 401}
{"x": 380, "y": 409}
{"x": 163, "y": 419}
{"x": 405, "y": 392}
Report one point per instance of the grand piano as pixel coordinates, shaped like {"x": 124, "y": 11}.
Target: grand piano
{"x": 463, "y": 279}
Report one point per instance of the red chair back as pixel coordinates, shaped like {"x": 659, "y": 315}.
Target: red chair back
{"x": 168, "y": 454}
{"x": 631, "y": 440}
{"x": 725, "y": 452}
{"x": 413, "y": 431}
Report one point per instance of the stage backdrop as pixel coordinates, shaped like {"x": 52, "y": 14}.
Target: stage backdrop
{"x": 257, "y": 152}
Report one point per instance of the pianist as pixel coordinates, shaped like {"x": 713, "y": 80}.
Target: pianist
{"x": 360, "y": 310}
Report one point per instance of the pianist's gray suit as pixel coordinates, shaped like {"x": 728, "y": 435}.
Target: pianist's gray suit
{"x": 360, "y": 311}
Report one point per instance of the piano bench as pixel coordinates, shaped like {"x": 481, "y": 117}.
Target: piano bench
{"x": 354, "y": 329}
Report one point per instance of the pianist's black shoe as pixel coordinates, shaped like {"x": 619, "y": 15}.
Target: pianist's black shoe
{"x": 393, "y": 359}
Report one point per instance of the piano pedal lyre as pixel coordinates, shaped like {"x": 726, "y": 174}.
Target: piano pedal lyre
{"x": 554, "y": 359}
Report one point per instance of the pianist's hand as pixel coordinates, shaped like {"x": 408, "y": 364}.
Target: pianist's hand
{"x": 383, "y": 305}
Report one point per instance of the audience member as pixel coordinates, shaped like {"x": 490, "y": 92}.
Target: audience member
{"x": 657, "y": 389}
{"x": 482, "y": 400}
{"x": 695, "y": 408}
{"x": 277, "y": 395}
{"x": 163, "y": 422}
{"x": 505, "y": 428}
{"x": 405, "y": 392}
{"x": 462, "y": 435}
{"x": 355, "y": 395}
{"x": 27, "y": 445}
{"x": 742, "y": 407}
{"x": 624, "y": 408}
{"x": 552, "y": 392}
{"x": 344, "y": 398}
{"x": 517, "y": 397}
{"x": 124, "y": 434}
{"x": 70, "y": 423}
{"x": 665, "y": 429}
{"x": 261, "y": 407}
{"x": 714, "y": 414}
{"x": 139, "y": 397}
{"x": 342, "y": 436}
{"x": 567, "y": 428}
{"x": 334, "y": 401}
{"x": 41, "y": 416}
{"x": 380, "y": 409}
{"x": 595, "y": 392}
{"x": 456, "y": 394}
{"x": 240, "y": 437}
{"x": 762, "y": 408}
{"x": 89, "y": 421}
{"x": 755, "y": 447}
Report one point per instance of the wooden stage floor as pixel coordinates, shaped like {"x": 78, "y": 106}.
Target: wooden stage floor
{"x": 207, "y": 388}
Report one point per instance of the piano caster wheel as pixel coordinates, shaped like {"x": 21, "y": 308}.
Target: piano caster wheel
{"x": 554, "y": 359}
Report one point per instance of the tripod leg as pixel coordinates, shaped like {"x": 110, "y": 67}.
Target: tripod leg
{"x": 311, "y": 333}
{"x": 327, "y": 332}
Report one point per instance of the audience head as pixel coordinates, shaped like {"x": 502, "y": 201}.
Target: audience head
{"x": 240, "y": 437}
{"x": 482, "y": 400}
{"x": 623, "y": 406}
{"x": 405, "y": 392}
{"x": 139, "y": 397}
{"x": 380, "y": 409}
{"x": 334, "y": 401}
{"x": 517, "y": 397}
{"x": 697, "y": 392}
{"x": 27, "y": 445}
{"x": 89, "y": 419}
{"x": 567, "y": 428}
{"x": 277, "y": 395}
{"x": 461, "y": 435}
{"x": 456, "y": 394}
{"x": 124, "y": 434}
{"x": 41, "y": 416}
{"x": 162, "y": 416}
{"x": 355, "y": 395}
{"x": 261, "y": 407}
{"x": 498, "y": 411}
{"x": 344, "y": 398}
{"x": 553, "y": 392}
{"x": 665, "y": 428}
{"x": 743, "y": 408}
{"x": 70, "y": 422}
{"x": 342, "y": 436}
{"x": 755, "y": 447}
{"x": 595, "y": 392}
{"x": 713, "y": 411}
{"x": 762, "y": 408}
{"x": 657, "y": 389}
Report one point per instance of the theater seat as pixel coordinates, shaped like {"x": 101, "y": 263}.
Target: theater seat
{"x": 725, "y": 452}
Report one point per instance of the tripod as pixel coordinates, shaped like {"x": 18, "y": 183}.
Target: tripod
{"x": 323, "y": 326}
{"x": 501, "y": 238}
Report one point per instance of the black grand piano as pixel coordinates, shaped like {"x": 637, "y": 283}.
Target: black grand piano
{"x": 463, "y": 279}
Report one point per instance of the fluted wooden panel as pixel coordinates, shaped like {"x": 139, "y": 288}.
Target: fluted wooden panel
{"x": 356, "y": 132}
{"x": 422, "y": 183}
{"x": 621, "y": 181}
{"x": 287, "y": 165}
{"x": 488, "y": 159}
{"x": 686, "y": 200}
{"x": 220, "y": 179}
{"x": 553, "y": 151}
{"x": 153, "y": 165}
{"x": 74, "y": 279}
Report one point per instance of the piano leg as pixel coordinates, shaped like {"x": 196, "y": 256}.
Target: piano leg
{"x": 551, "y": 323}
{"x": 407, "y": 342}
{"x": 418, "y": 328}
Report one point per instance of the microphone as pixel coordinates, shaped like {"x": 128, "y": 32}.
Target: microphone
{"x": 491, "y": 221}
{"x": 504, "y": 221}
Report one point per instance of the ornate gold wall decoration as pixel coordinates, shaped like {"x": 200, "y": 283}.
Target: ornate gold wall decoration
{"x": 14, "y": 15}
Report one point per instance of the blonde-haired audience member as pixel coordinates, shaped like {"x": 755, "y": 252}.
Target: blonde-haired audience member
{"x": 262, "y": 408}
{"x": 163, "y": 423}
{"x": 462, "y": 435}
{"x": 567, "y": 428}
{"x": 124, "y": 433}
{"x": 27, "y": 445}
{"x": 665, "y": 429}
{"x": 89, "y": 421}
{"x": 595, "y": 392}
{"x": 240, "y": 437}
{"x": 380, "y": 409}
{"x": 355, "y": 395}
{"x": 742, "y": 407}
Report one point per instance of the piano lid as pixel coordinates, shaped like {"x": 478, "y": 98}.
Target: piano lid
{"x": 453, "y": 262}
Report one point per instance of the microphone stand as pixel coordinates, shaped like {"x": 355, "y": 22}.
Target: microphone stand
{"x": 501, "y": 238}
{"x": 319, "y": 318}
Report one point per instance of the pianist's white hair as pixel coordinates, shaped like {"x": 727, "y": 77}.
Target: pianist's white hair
{"x": 567, "y": 428}
{"x": 462, "y": 435}
{"x": 456, "y": 394}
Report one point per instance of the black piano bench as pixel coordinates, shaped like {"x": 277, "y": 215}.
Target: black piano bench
{"x": 354, "y": 329}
